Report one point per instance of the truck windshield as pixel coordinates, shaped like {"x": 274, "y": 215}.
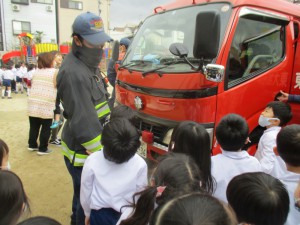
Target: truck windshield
{"x": 150, "y": 46}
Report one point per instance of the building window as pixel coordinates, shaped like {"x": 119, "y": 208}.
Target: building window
{"x": 20, "y": 27}
{"x": 23, "y": 2}
{"x": 71, "y": 4}
{"x": 50, "y": 2}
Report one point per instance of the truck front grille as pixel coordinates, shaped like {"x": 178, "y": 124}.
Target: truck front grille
{"x": 158, "y": 131}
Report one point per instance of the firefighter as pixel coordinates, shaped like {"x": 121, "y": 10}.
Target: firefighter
{"x": 111, "y": 71}
{"x": 84, "y": 100}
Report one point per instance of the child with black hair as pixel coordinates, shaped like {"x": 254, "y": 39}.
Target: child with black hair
{"x": 19, "y": 79}
{"x": 288, "y": 147}
{"x": 8, "y": 77}
{"x": 13, "y": 199}
{"x": 191, "y": 138}
{"x": 275, "y": 115}
{"x": 231, "y": 133}
{"x": 258, "y": 199}
{"x": 110, "y": 177}
{"x": 175, "y": 175}
{"x": 193, "y": 208}
{"x": 40, "y": 220}
{"x": 124, "y": 111}
{"x": 4, "y": 153}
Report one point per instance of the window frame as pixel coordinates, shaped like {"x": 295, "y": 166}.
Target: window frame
{"x": 254, "y": 14}
{"x": 27, "y": 31}
{"x": 42, "y": 2}
{"x": 19, "y": 2}
{"x": 66, "y": 4}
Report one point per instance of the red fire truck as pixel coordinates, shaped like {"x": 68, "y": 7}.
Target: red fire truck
{"x": 202, "y": 59}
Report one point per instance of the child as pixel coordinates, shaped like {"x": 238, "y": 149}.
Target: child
{"x": 4, "y": 153}
{"x": 12, "y": 198}
{"x": 194, "y": 208}
{"x": 288, "y": 147}
{"x": 8, "y": 76}
{"x": 19, "y": 79}
{"x": 176, "y": 175}
{"x": 192, "y": 139}
{"x": 258, "y": 199}
{"x": 39, "y": 220}
{"x": 110, "y": 177}
{"x": 231, "y": 133}
{"x": 29, "y": 76}
{"x": 275, "y": 115}
{"x": 58, "y": 118}
{"x": 123, "y": 111}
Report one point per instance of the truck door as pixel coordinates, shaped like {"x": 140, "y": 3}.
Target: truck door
{"x": 295, "y": 84}
{"x": 258, "y": 65}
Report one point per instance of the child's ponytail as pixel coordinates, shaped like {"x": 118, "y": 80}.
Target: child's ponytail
{"x": 143, "y": 207}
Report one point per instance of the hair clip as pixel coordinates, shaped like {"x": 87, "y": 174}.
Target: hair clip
{"x": 160, "y": 190}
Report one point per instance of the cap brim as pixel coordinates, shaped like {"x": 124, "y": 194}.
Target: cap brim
{"x": 97, "y": 38}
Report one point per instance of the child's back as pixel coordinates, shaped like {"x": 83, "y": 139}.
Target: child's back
{"x": 273, "y": 117}
{"x": 110, "y": 177}
{"x": 288, "y": 147}
{"x": 232, "y": 133}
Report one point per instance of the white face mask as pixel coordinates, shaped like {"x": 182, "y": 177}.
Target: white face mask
{"x": 264, "y": 121}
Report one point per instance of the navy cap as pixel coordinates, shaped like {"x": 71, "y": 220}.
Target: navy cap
{"x": 91, "y": 28}
{"x": 125, "y": 41}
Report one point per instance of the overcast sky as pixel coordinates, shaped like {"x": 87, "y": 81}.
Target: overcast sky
{"x": 124, "y": 12}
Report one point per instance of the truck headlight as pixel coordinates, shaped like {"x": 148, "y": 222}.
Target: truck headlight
{"x": 167, "y": 137}
{"x": 210, "y": 132}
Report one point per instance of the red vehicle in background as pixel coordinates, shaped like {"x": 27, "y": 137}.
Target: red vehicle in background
{"x": 202, "y": 59}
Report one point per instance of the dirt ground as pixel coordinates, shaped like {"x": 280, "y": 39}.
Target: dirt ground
{"x": 45, "y": 178}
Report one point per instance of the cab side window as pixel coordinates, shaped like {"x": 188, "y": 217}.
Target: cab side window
{"x": 257, "y": 46}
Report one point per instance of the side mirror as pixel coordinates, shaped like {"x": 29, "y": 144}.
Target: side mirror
{"x": 207, "y": 35}
{"x": 214, "y": 72}
{"x": 115, "y": 51}
{"x": 179, "y": 49}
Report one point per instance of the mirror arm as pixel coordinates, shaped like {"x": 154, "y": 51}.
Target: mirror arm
{"x": 188, "y": 62}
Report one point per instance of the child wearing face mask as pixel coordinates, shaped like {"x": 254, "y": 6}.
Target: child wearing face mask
{"x": 275, "y": 115}
{"x": 4, "y": 153}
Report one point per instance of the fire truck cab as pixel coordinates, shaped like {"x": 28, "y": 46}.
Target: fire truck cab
{"x": 202, "y": 59}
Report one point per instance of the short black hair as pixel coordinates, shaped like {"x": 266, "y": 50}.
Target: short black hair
{"x": 124, "y": 111}
{"x": 4, "y": 150}
{"x": 232, "y": 132}
{"x": 288, "y": 144}
{"x": 120, "y": 140}
{"x": 282, "y": 111}
{"x": 40, "y": 220}
{"x": 258, "y": 198}
{"x": 12, "y": 197}
{"x": 192, "y": 208}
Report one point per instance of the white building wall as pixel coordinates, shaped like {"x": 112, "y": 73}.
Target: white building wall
{"x": 67, "y": 16}
{"x": 35, "y": 13}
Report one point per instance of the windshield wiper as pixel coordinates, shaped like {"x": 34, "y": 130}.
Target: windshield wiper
{"x": 167, "y": 62}
{"x": 133, "y": 63}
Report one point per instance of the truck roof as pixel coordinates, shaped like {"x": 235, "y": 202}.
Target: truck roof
{"x": 282, "y": 6}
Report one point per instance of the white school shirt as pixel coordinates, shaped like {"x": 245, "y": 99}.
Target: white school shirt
{"x": 8, "y": 75}
{"x": 30, "y": 74}
{"x": 23, "y": 70}
{"x": 290, "y": 180}
{"x": 265, "y": 151}
{"x": 105, "y": 184}
{"x": 227, "y": 165}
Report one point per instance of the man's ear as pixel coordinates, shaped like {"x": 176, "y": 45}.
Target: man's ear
{"x": 77, "y": 41}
